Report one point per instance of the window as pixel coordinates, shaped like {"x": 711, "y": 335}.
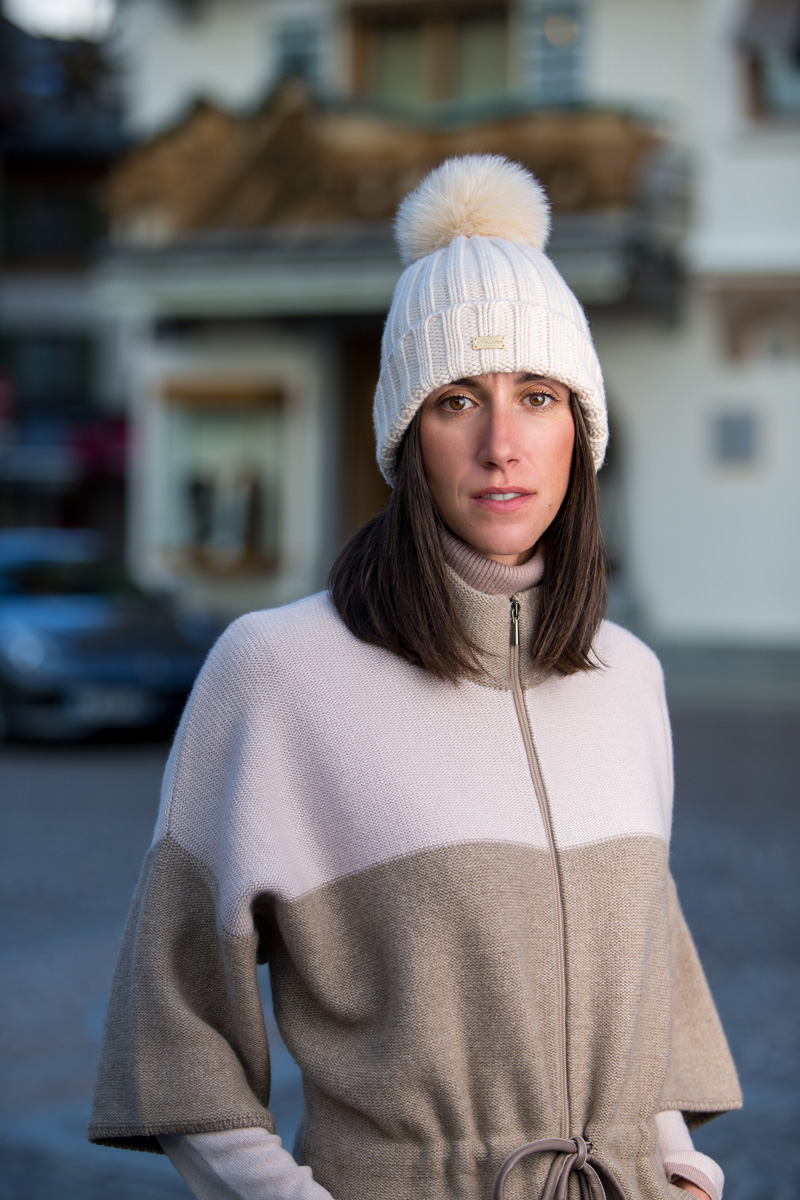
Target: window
{"x": 779, "y": 80}
{"x": 552, "y": 41}
{"x": 761, "y": 323}
{"x": 48, "y": 371}
{"x": 770, "y": 41}
{"x": 772, "y": 337}
{"x": 735, "y": 438}
{"x": 480, "y": 58}
{"x": 395, "y": 68}
{"x": 48, "y": 221}
{"x": 297, "y": 51}
{"x": 414, "y": 56}
{"x": 223, "y": 475}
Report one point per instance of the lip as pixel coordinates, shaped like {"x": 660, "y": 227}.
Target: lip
{"x": 501, "y": 506}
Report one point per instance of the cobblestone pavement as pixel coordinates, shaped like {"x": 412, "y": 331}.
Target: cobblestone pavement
{"x": 77, "y": 820}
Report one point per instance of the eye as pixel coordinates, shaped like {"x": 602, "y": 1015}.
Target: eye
{"x": 456, "y": 403}
{"x": 540, "y": 399}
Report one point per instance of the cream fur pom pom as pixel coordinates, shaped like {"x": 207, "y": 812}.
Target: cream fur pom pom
{"x": 481, "y": 195}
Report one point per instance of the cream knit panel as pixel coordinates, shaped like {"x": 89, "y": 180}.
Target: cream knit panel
{"x": 324, "y": 764}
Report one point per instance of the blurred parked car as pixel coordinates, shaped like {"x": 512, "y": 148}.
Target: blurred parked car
{"x": 81, "y": 647}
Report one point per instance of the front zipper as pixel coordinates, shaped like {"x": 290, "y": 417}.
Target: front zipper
{"x": 544, "y": 809}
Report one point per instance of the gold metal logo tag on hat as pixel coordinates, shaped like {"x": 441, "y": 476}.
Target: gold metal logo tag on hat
{"x": 491, "y": 341}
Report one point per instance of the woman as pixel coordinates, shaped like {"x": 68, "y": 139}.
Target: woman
{"x": 436, "y": 800}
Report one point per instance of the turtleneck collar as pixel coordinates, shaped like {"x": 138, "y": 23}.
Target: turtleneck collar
{"x": 482, "y": 597}
{"x": 486, "y": 575}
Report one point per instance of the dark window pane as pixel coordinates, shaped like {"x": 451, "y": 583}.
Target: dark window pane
{"x": 297, "y": 48}
{"x": 735, "y": 437}
{"x": 48, "y": 223}
{"x": 397, "y": 64}
{"x": 48, "y": 370}
{"x": 481, "y": 58}
{"x": 557, "y": 47}
{"x": 780, "y": 82}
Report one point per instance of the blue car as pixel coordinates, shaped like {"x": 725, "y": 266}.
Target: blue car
{"x": 82, "y": 649}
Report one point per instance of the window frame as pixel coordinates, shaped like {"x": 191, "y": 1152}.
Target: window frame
{"x": 768, "y": 26}
{"x": 438, "y": 22}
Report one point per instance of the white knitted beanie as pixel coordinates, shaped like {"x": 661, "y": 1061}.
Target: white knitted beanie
{"x": 479, "y": 295}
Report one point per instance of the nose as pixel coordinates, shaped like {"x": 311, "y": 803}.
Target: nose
{"x": 498, "y": 446}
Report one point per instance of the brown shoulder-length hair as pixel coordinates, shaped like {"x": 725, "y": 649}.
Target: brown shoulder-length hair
{"x": 389, "y": 582}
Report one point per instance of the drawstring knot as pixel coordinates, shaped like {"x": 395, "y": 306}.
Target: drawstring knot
{"x": 570, "y": 1154}
{"x": 583, "y": 1152}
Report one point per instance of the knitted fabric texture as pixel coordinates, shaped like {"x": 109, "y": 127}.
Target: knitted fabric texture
{"x": 682, "y": 1161}
{"x": 376, "y": 835}
{"x": 486, "y": 575}
{"x": 479, "y": 304}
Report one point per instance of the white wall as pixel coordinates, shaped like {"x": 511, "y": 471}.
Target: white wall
{"x": 644, "y": 54}
{"x": 712, "y": 547}
{"x": 747, "y": 169}
{"x": 679, "y": 61}
{"x": 224, "y": 54}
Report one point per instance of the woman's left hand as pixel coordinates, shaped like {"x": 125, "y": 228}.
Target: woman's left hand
{"x": 692, "y": 1188}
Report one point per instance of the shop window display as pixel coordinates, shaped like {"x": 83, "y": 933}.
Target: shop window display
{"x": 221, "y": 493}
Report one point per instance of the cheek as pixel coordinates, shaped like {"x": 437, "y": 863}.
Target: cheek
{"x": 439, "y": 456}
{"x": 560, "y": 460}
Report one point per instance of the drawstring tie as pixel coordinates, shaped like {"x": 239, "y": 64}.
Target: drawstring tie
{"x": 571, "y": 1154}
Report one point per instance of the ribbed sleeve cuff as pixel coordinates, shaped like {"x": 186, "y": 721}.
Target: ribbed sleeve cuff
{"x": 240, "y": 1164}
{"x": 681, "y": 1160}
{"x": 697, "y": 1168}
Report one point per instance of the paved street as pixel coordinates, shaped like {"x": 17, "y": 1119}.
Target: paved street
{"x": 77, "y": 820}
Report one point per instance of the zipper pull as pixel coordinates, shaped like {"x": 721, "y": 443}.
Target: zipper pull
{"x": 514, "y": 640}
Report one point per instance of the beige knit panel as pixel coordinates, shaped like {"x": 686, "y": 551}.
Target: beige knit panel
{"x": 701, "y": 1065}
{"x": 419, "y": 999}
{"x": 640, "y": 1014}
{"x": 184, "y": 1047}
{"x": 416, "y": 997}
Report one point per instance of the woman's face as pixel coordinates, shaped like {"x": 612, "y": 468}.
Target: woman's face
{"x": 497, "y": 453}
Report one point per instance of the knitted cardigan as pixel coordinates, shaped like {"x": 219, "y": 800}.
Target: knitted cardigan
{"x": 464, "y": 898}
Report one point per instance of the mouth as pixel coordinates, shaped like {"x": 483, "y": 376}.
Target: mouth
{"x": 502, "y": 499}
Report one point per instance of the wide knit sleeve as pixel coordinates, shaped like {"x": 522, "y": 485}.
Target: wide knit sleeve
{"x": 184, "y": 1047}
{"x": 702, "y": 1080}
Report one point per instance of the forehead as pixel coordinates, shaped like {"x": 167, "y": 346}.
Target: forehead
{"x": 498, "y": 378}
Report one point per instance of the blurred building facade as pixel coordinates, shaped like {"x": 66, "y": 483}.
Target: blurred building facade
{"x": 251, "y": 264}
{"x": 62, "y": 411}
